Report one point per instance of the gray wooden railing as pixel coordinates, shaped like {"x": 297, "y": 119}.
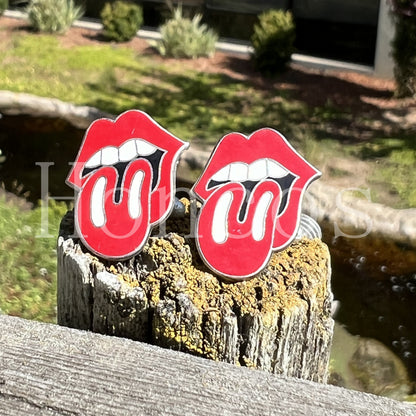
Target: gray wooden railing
{"x": 46, "y": 369}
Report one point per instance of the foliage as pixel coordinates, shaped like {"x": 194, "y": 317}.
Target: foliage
{"x": 273, "y": 41}
{"x": 186, "y": 38}
{"x": 121, "y": 20}
{"x": 404, "y": 47}
{"x": 53, "y": 16}
{"x": 3, "y": 6}
{"x": 28, "y": 263}
{"x": 399, "y": 174}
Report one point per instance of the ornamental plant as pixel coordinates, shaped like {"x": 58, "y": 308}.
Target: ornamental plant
{"x": 182, "y": 37}
{"x": 121, "y": 20}
{"x": 273, "y": 41}
{"x": 3, "y": 6}
{"x": 53, "y": 16}
{"x": 404, "y": 47}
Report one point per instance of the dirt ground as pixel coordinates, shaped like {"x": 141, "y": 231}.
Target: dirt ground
{"x": 370, "y": 102}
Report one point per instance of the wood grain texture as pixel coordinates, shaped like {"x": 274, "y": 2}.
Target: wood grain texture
{"x": 50, "y": 370}
{"x": 278, "y": 321}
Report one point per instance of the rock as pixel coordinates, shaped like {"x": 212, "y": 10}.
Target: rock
{"x": 12, "y": 103}
{"x": 367, "y": 365}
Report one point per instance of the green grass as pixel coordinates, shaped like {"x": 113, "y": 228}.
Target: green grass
{"x": 396, "y": 160}
{"x": 193, "y": 105}
{"x": 28, "y": 262}
{"x": 399, "y": 172}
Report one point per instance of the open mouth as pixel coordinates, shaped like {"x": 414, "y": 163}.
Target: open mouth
{"x": 124, "y": 176}
{"x": 251, "y": 192}
{"x": 121, "y": 157}
{"x": 250, "y": 175}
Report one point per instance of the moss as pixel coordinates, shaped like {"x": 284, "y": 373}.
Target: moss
{"x": 293, "y": 274}
{"x": 190, "y": 303}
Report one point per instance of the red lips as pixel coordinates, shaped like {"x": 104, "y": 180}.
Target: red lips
{"x": 251, "y": 189}
{"x": 125, "y": 173}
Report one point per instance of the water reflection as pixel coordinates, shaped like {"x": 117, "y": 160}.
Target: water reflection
{"x": 375, "y": 282}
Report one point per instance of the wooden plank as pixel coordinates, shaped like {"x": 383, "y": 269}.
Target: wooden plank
{"x": 50, "y": 370}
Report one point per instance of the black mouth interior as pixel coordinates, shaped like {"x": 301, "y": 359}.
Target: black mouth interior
{"x": 284, "y": 183}
{"x": 154, "y": 159}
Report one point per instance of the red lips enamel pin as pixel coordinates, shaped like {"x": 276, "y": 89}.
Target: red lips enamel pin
{"x": 251, "y": 192}
{"x": 125, "y": 178}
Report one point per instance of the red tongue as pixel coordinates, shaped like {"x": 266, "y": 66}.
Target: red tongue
{"x": 240, "y": 255}
{"x": 121, "y": 235}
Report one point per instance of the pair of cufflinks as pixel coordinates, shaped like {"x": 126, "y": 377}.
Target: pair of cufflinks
{"x": 251, "y": 192}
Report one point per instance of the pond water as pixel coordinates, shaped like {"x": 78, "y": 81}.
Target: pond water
{"x": 374, "y": 280}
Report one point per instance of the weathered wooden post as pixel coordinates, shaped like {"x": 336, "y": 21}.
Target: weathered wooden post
{"x": 278, "y": 321}
{"x": 231, "y": 286}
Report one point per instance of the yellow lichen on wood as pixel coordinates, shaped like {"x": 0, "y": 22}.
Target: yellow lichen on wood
{"x": 293, "y": 275}
{"x": 279, "y": 320}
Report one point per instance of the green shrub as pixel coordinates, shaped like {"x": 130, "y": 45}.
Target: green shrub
{"x": 53, "y": 16}
{"x": 273, "y": 41}
{"x": 404, "y": 47}
{"x": 121, "y": 20}
{"x": 186, "y": 38}
{"x": 3, "y": 6}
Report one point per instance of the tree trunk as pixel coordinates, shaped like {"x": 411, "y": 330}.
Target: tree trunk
{"x": 278, "y": 321}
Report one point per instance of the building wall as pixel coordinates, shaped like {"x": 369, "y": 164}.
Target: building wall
{"x": 383, "y": 63}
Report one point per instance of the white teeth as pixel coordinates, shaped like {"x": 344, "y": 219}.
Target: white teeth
{"x": 275, "y": 170}
{"x": 134, "y": 196}
{"x": 223, "y": 174}
{"x": 259, "y": 219}
{"x": 127, "y": 151}
{"x": 257, "y": 170}
{"x": 144, "y": 148}
{"x": 238, "y": 172}
{"x": 94, "y": 161}
{"x": 97, "y": 202}
{"x": 219, "y": 230}
{"x": 109, "y": 155}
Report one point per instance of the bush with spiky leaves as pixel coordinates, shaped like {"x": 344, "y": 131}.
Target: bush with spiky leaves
{"x": 273, "y": 41}
{"x": 121, "y": 20}
{"x": 53, "y": 16}
{"x": 182, "y": 37}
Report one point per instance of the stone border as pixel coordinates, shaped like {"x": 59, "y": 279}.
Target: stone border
{"x": 325, "y": 203}
{"x": 12, "y": 103}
